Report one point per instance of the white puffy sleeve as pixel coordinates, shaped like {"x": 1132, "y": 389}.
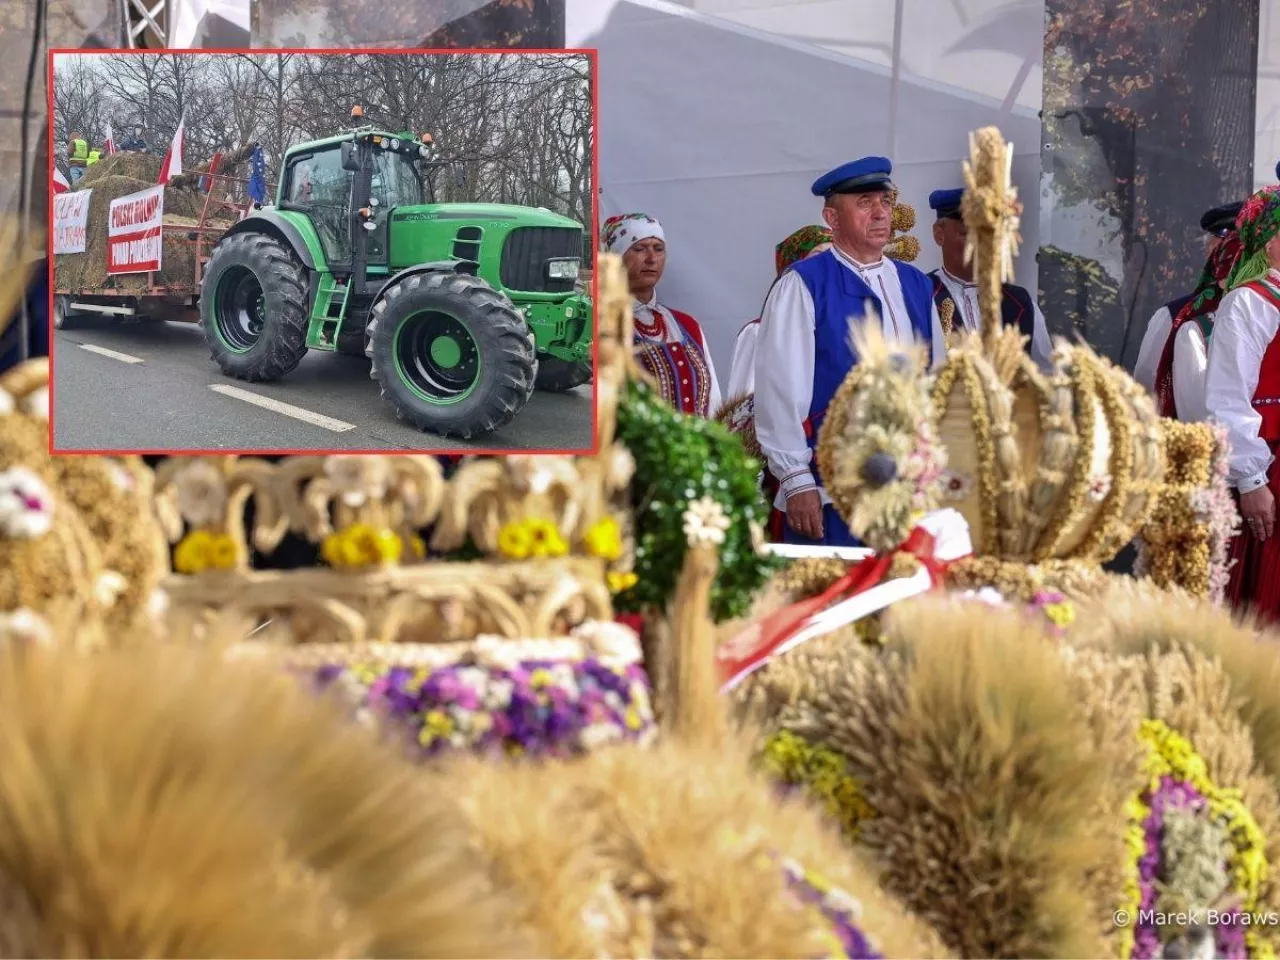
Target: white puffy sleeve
{"x": 1244, "y": 327}
{"x": 1153, "y": 342}
{"x": 784, "y": 383}
{"x": 742, "y": 369}
{"x": 1190, "y": 361}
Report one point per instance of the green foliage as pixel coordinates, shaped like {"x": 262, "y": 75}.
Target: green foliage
{"x": 680, "y": 459}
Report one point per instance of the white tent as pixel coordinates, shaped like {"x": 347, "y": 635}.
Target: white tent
{"x": 718, "y": 130}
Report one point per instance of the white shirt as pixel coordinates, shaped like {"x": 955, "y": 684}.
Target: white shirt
{"x": 1245, "y": 326}
{"x": 1190, "y": 361}
{"x": 784, "y": 362}
{"x": 1149, "y": 353}
{"x": 742, "y": 369}
{"x": 965, "y": 295}
{"x": 649, "y": 314}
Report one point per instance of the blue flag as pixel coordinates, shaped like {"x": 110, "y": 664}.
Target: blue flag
{"x": 258, "y": 176}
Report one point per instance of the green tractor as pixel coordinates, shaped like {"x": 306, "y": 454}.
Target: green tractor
{"x": 463, "y": 308}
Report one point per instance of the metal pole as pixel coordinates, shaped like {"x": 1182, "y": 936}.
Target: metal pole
{"x": 896, "y": 67}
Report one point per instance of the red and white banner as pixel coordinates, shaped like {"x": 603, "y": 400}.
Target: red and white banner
{"x": 70, "y": 218}
{"x": 134, "y": 234}
{"x": 171, "y": 165}
{"x": 60, "y": 183}
{"x": 110, "y": 145}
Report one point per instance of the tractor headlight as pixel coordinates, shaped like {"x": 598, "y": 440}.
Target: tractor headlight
{"x": 395, "y": 144}
{"x": 563, "y": 269}
{"x": 423, "y": 152}
{"x": 385, "y": 144}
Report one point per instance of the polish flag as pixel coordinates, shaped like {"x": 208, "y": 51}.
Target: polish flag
{"x": 171, "y": 166}
{"x": 110, "y": 145}
{"x": 60, "y": 184}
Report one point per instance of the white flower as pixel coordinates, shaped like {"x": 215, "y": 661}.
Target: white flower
{"x": 357, "y": 478}
{"x": 954, "y": 486}
{"x": 36, "y": 403}
{"x": 987, "y": 595}
{"x": 705, "y": 522}
{"x": 757, "y": 539}
{"x": 26, "y": 626}
{"x": 528, "y": 474}
{"x": 1099, "y": 487}
{"x": 121, "y": 477}
{"x": 26, "y": 504}
{"x": 109, "y": 586}
{"x": 202, "y": 493}
{"x": 622, "y": 466}
{"x": 610, "y": 641}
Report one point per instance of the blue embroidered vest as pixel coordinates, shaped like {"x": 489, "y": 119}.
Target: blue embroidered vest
{"x": 839, "y": 294}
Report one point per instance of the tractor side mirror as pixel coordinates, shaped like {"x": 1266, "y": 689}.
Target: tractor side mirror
{"x": 351, "y": 157}
{"x": 459, "y": 175}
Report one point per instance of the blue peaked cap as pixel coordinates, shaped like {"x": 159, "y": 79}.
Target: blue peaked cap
{"x": 868, "y": 175}
{"x": 946, "y": 203}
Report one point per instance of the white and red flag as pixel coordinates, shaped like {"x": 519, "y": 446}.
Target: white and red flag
{"x": 171, "y": 166}
{"x": 60, "y": 183}
{"x": 110, "y": 145}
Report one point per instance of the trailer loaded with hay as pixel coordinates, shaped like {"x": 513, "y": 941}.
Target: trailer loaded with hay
{"x": 193, "y": 220}
{"x": 463, "y": 309}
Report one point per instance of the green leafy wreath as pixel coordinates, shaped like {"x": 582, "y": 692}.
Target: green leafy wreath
{"x": 681, "y": 459}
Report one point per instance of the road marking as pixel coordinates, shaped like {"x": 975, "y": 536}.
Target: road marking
{"x": 113, "y": 354}
{"x": 288, "y": 409}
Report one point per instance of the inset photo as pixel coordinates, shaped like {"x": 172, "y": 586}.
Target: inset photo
{"x": 301, "y": 251}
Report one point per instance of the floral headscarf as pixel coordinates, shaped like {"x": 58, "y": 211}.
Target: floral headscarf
{"x": 799, "y": 245}
{"x": 1224, "y": 260}
{"x": 1257, "y": 225}
{"x": 619, "y": 234}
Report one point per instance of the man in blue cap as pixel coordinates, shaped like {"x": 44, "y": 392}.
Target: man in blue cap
{"x": 804, "y": 350}
{"x": 1218, "y": 224}
{"x": 953, "y": 282}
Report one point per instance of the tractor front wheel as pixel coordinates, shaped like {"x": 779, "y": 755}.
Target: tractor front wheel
{"x": 558, "y": 376}
{"x": 253, "y": 307}
{"x": 452, "y": 355}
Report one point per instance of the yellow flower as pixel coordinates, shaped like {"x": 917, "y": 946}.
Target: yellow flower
{"x": 1062, "y": 614}
{"x": 515, "y": 540}
{"x": 223, "y": 553}
{"x": 361, "y": 545}
{"x": 194, "y": 553}
{"x": 621, "y": 582}
{"x": 539, "y": 678}
{"x": 546, "y": 540}
{"x": 436, "y": 726}
{"x": 603, "y": 539}
{"x": 633, "y": 719}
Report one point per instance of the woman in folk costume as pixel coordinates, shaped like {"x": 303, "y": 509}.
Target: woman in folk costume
{"x": 1180, "y": 374}
{"x": 669, "y": 344}
{"x": 1242, "y": 392}
{"x": 805, "y": 242}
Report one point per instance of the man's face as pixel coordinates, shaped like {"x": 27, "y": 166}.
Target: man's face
{"x": 1273, "y": 251}
{"x": 949, "y": 234}
{"x": 645, "y": 262}
{"x": 861, "y": 221}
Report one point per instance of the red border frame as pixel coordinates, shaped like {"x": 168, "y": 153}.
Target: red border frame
{"x": 590, "y": 52}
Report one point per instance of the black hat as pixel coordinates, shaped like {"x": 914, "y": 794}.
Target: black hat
{"x": 1221, "y": 220}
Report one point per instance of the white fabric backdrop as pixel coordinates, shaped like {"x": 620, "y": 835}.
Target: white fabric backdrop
{"x": 1268, "y": 130}
{"x": 718, "y": 130}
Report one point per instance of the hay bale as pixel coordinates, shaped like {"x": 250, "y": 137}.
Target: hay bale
{"x": 88, "y": 270}
{"x": 135, "y": 166}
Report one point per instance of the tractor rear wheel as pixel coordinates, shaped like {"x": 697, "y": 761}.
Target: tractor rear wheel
{"x": 558, "y": 376}
{"x": 452, "y": 354}
{"x": 253, "y": 307}
{"x": 64, "y": 318}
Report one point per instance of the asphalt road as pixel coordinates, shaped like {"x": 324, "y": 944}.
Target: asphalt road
{"x": 152, "y": 386}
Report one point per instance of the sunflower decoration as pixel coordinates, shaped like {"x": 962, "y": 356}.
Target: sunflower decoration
{"x": 878, "y": 448}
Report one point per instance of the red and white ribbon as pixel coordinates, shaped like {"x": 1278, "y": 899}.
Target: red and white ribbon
{"x": 938, "y": 540}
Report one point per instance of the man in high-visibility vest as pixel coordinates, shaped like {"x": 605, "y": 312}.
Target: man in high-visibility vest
{"x": 77, "y": 156}
{"x": 94, "y": 156}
